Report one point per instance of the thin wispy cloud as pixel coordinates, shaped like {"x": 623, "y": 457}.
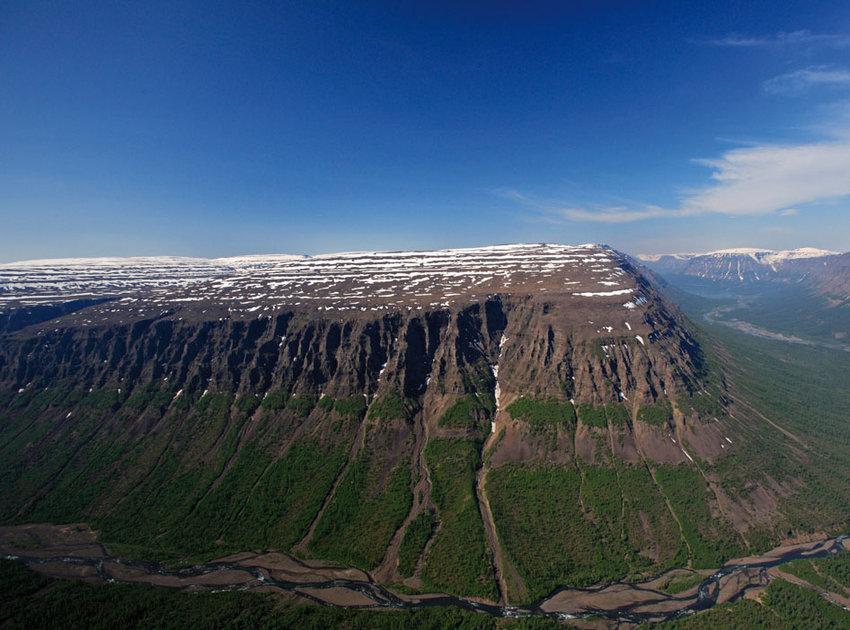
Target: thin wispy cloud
{"x": 756, "y": 180}
{"x": 779, "y": 40}
{"x": 615, "y": 214}
{"x": 548, "y": 211}
{"x": 800, "y": 81}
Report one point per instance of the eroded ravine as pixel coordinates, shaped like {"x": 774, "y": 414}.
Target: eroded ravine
{"x": 490, "y": 529}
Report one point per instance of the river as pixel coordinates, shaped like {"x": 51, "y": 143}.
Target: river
{"x": 618, "y": 602}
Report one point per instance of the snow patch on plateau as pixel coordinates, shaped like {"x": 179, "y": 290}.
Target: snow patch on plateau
{"x": 604, "y": 293}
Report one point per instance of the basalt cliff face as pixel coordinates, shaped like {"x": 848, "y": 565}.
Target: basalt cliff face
{"x": 492, "y": 422}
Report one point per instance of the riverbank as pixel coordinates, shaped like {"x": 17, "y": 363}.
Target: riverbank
{"x": 73, "y": 552}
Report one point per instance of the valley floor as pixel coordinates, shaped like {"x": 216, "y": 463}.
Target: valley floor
{"x": 718, "y": 315}
{"x": 73, "y": 552}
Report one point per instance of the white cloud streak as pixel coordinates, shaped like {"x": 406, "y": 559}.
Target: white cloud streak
{"x": 750, "y": 181}
{"x": 613, "y": 214}
{"x": 769, "y": 178}
{"x": 784, "y": 40}
{"x": 763, "y": 179}
{"x": 800, "y": 81}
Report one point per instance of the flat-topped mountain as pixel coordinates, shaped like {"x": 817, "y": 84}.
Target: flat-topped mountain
{"x": 340, "y": 282}
{"x": 764, "y": 256}
{"x": 492, "y": 422}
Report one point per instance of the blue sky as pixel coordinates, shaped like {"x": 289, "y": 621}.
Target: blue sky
{"x": 227, "y": 128}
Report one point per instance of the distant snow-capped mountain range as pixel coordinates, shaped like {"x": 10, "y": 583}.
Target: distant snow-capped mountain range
{"x": 763, "y": 256}
{"x": 825, "y": 269}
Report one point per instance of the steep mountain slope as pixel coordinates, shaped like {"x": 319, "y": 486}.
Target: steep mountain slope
{"x": 492, "y": 422}
{"x": 830, "y": 275}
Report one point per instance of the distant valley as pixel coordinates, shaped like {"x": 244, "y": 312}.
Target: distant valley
{"x": 803, "y": 293}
